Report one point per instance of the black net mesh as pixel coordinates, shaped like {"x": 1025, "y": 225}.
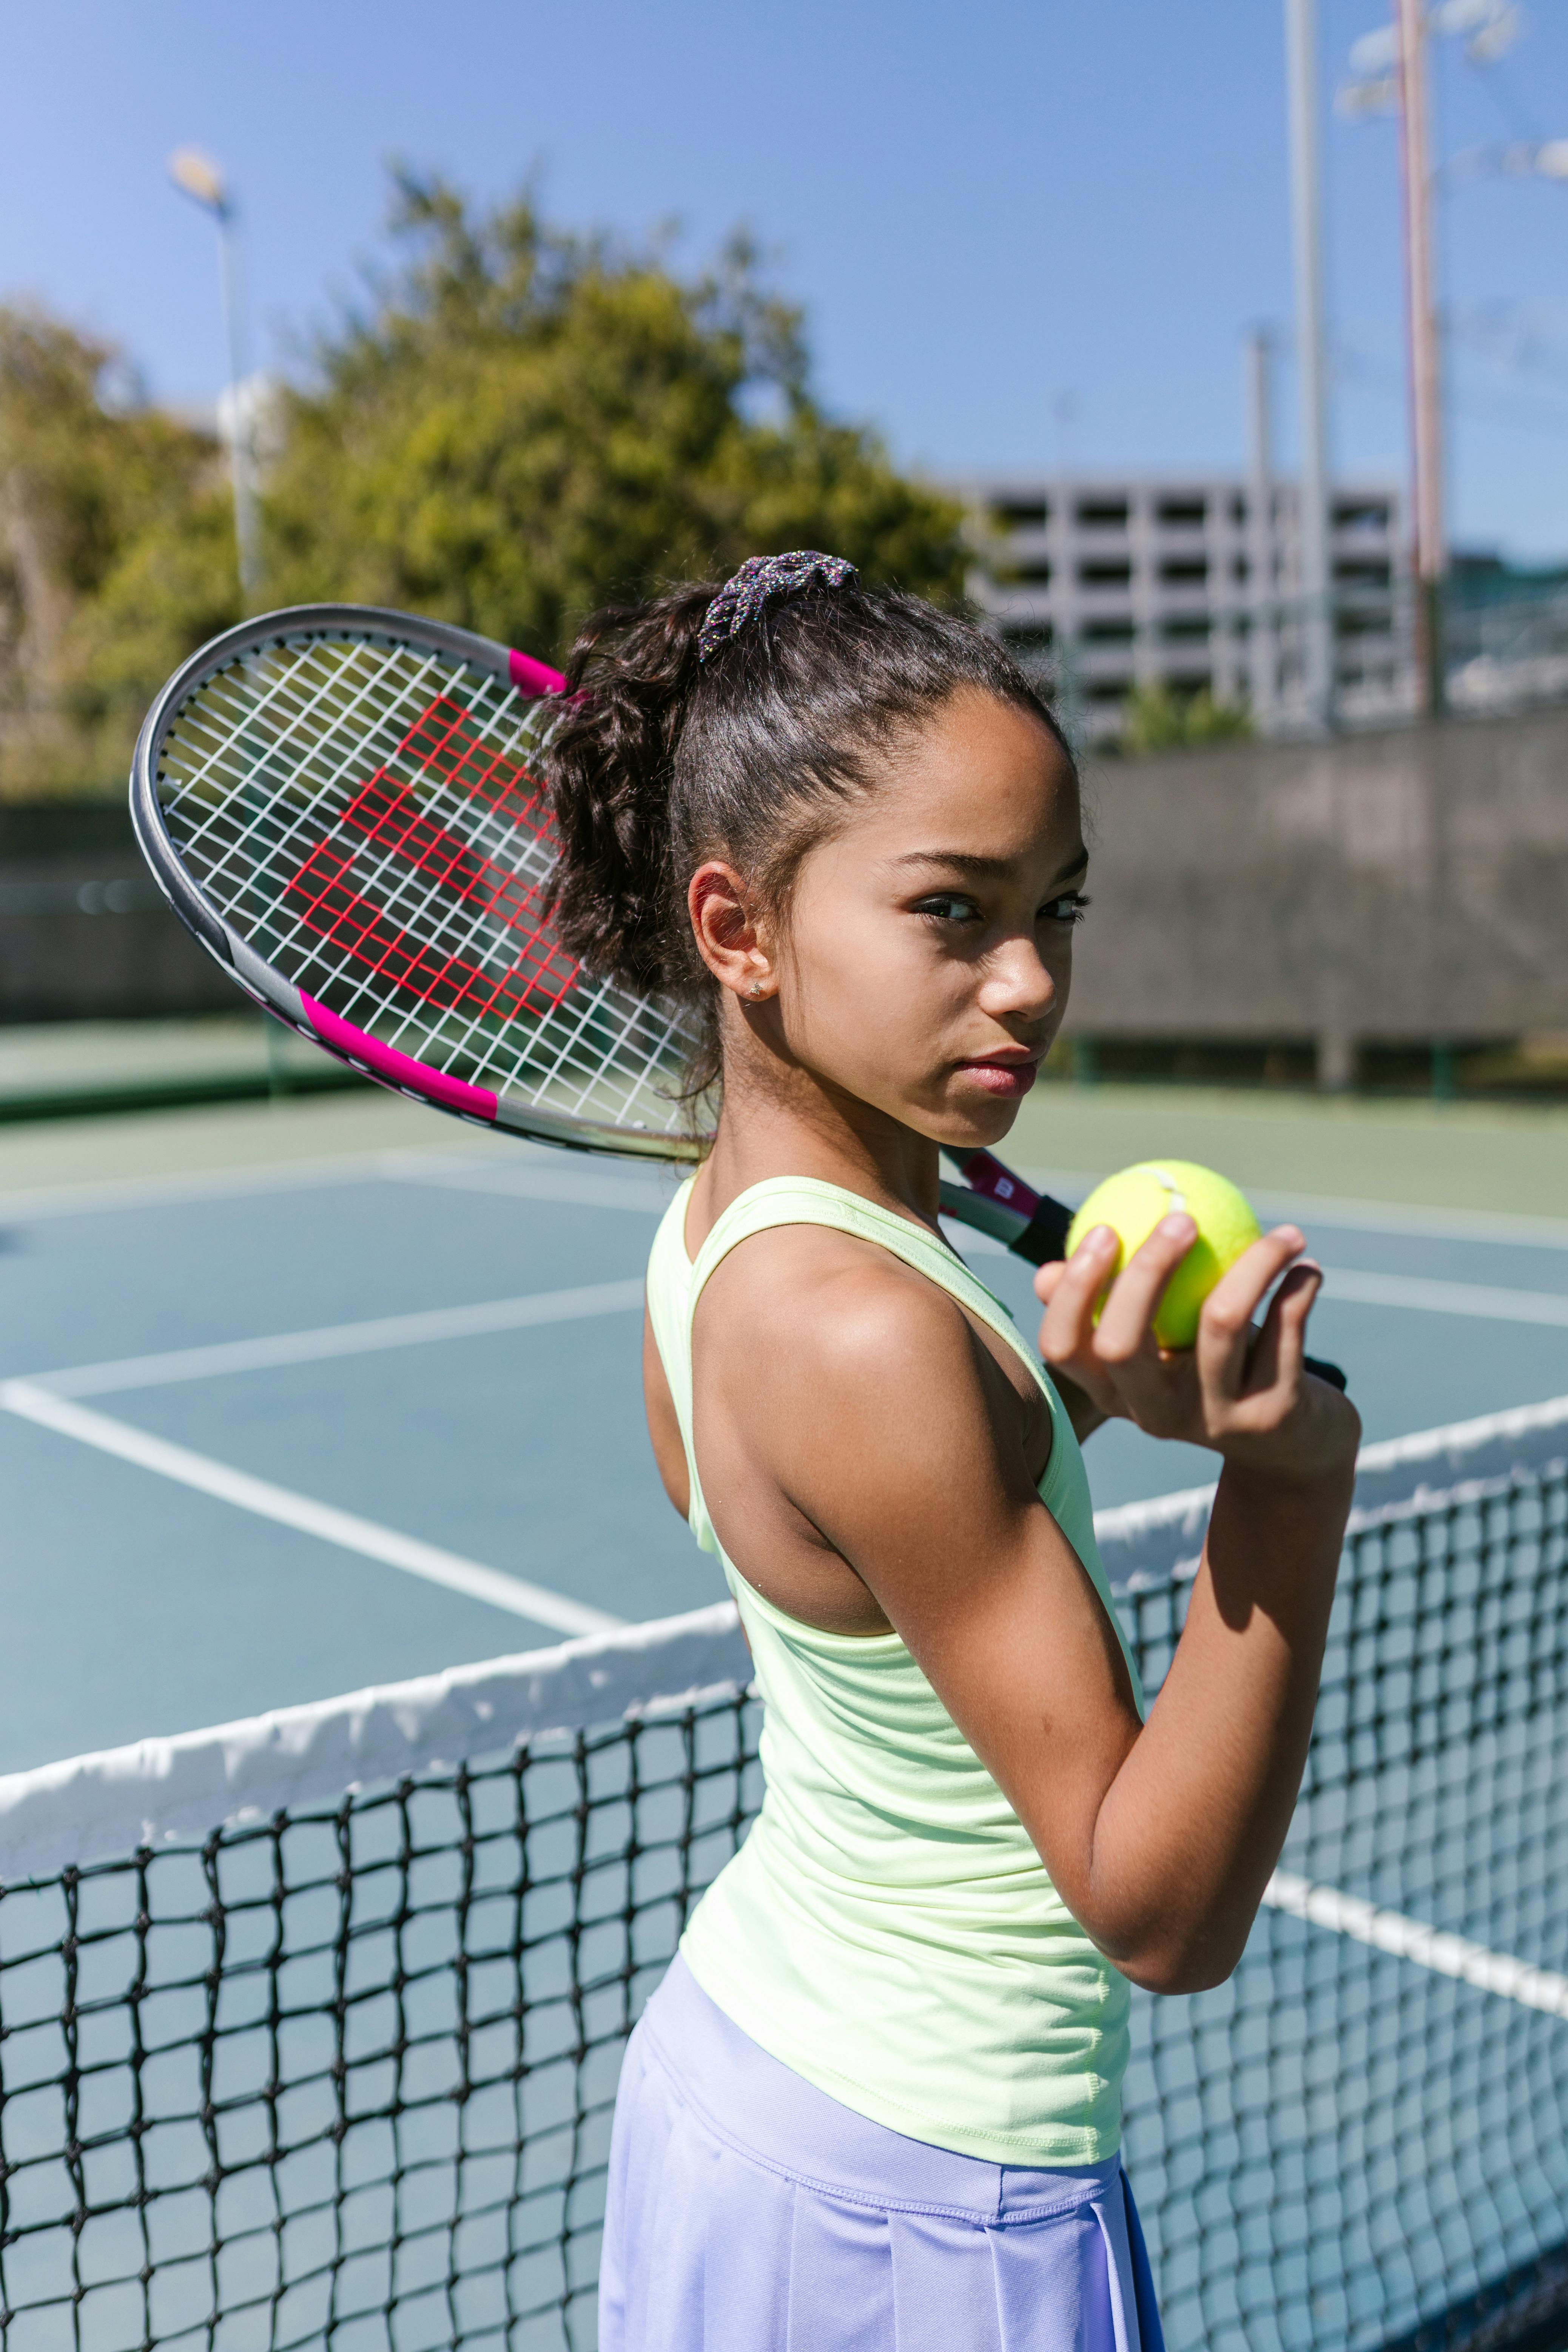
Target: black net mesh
{"x": 1342, "y": 2147}
{"x": 346, "y": 2076}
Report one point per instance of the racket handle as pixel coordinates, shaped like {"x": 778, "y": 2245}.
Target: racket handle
{"x": 1045, "y": 1238}
{"x": 1032, "y": 1225}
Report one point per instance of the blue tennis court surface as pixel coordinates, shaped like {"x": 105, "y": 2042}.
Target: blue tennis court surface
{"x": 277, "y": 1432}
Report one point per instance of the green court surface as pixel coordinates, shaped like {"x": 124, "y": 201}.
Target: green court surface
{"x": 52, "y": 1069}
{"x": 1502, "y": 1158}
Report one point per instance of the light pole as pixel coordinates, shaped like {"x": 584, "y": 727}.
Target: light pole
{"x": 1306, "y": 210}
{"x": 1263, "y": 666}
{"x": 1389, "y": 70}
{"x": 1421, "y": 335}
{"x": 198, "y": 177}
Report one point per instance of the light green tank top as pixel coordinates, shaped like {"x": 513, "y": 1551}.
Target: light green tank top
{"x": 888, "y": 1928}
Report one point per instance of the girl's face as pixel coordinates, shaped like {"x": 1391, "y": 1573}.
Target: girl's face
{"x": 925, "y": 963}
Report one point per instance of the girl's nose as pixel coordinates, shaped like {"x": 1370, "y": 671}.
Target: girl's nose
{"x": 1017, "y": 983}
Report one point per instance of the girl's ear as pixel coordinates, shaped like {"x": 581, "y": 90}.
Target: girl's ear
{"x": 733, "y": 940}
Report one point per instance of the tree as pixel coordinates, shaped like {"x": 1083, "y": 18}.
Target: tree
{"x": 521, "y": 424}
{"x": 530, "y": 423}
{"x": 95, "y": 491}
{"x": 1156, "y": 719}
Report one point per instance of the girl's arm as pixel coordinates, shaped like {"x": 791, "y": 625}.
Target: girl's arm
{"x": 1258, "y": 1614}
{"x": 892, "y": 1430}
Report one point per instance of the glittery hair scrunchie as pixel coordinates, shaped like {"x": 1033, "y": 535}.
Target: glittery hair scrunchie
{"x": 759, "y": 579}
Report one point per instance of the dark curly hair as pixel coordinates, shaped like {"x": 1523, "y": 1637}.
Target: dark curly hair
{"x": 661, "y": 762}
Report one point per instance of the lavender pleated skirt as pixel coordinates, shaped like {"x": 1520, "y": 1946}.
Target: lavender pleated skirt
{"x": 750, "y": 2213}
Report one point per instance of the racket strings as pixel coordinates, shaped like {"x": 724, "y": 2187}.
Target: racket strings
{"x": 369, "y": 817}
{"x": 387, "y": 818}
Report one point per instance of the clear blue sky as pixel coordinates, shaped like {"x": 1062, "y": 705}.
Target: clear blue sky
{"x": 1020, "y": 231}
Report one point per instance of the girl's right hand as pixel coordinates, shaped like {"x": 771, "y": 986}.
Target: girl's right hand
{"x": 1241, "y": 1389}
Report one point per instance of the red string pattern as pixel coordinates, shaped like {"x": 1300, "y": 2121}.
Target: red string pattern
{"x": 347, "y": 888}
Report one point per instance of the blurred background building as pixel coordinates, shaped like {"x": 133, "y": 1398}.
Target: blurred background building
{"x": 1166, "y": 610}
{"x": 1117, "y": 588}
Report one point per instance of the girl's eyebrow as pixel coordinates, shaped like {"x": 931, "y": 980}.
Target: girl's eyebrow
{"x": 983, "y": 869}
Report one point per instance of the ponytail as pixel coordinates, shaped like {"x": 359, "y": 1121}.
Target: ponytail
{"x": 609, "y": 765}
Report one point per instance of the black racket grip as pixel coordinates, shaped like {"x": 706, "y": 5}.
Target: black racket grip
{"x": 1045, "y": 1238}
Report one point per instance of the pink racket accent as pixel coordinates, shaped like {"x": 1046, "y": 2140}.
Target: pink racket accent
{"x": 987, "y": 1177}
{"x": 395, "y": 1069}
{"x": 530, "y": 677}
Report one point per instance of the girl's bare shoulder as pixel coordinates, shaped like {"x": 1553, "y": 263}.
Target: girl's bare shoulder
{"x": 809, "y": 1304}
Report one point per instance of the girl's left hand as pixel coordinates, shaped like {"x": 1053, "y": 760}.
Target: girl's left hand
{"x": 1241, "y": 1389}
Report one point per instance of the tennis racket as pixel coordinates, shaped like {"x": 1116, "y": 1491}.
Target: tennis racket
{"x": 346, "y": 806}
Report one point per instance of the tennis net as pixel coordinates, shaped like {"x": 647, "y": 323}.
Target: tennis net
{"x": 310, "y": 2027}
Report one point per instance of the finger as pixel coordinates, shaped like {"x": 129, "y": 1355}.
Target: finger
{"x": 1244, "y": 1284}
{"x": 1276, "y": 1362}
{"x": 1067, "y": 1330}
{"x": 1126, "y": 1321}
{"x": 1071, "y": 1287}
{"x": 1046, "y": 1277}
{"x": 1226, "y": 1331}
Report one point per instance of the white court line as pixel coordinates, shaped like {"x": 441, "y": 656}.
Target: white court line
{"x": 494, "y": 1169}
{"x": 534, "y": 1309}
{"x": 574, "y": 1186}
{"x": 344, "y": 1528}
{"x": 1480, "y": 1299}
{"x": 1412, "y": 1939}
{"x": 110, "y": 1195}
{"x": 495, "y": 1172}
{"x": 341, "y": 1339}
{"x": 30, "y": 1204}
{"x": 1407, "y": 1218}
{"x": 1516, "y": 1230}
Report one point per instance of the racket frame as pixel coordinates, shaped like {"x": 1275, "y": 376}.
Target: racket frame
{"x": 478, "y": 1105}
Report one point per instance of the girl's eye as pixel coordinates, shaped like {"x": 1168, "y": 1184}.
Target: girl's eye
{"x": 950, "y": 906}
{"x": 1070, "y": 909}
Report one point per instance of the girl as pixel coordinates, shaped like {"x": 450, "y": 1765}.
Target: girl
{"x": 874, "y": 2106}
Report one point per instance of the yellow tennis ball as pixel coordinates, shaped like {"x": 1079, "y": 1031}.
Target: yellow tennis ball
{"x": 1134, "y": 1202}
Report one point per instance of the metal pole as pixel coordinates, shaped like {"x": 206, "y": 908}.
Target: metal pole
{"x": 246, "y": 535}
{"x": 1262, "y": 665}
{"x": 1431, "y": 561}
{"x": 1306, "y": 209}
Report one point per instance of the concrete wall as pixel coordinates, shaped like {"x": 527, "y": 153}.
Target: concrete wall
{"x": 1408, "y": 886}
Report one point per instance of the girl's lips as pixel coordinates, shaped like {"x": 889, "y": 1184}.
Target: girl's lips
{"x": 1009, "y": 1079}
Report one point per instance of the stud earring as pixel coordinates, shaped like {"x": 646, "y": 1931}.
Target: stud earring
{"x": 755, "y": 989}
